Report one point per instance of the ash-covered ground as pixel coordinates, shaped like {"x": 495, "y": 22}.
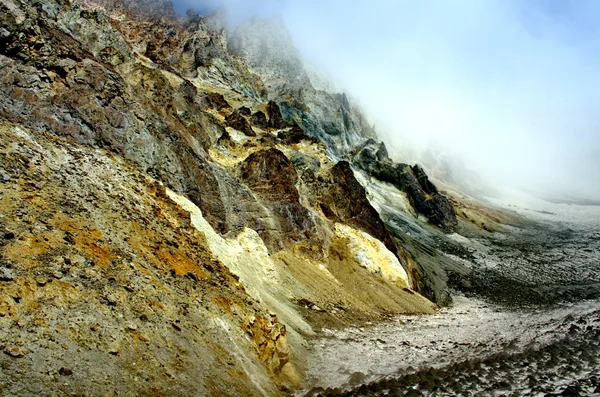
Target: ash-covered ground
{"x": 527, "y": 325}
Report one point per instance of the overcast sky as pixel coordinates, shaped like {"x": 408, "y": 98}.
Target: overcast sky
{"x": 512, "y": 87}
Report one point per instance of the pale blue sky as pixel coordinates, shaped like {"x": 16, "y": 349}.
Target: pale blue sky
{"x": 511, "y": 86}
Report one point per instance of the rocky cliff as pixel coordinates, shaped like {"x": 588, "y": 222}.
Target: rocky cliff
{"x": 181, "y": 209}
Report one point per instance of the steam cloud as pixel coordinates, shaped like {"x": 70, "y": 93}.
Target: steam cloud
{"x": 510, "y": 87}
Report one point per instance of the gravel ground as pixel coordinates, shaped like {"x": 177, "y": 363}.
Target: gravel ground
{"x": 529, "y": 326}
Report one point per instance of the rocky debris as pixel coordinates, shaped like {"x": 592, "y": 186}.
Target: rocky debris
{"x": 260, "y": 120}
{"x": 225, "y": 140}
{"x": 124, "y": 279}
{"x": 422, "y": 194}
{"x": 269, "y": 337}
{"x": 295, "y": 135}
{"x": 15, "y": 351}
{"x": 6, "y": 274}
{"x": 276, "y": 120}
{"x": 238, "y": 122}
{"x": 4, "y": 177}
{"x": 150, "y": 90}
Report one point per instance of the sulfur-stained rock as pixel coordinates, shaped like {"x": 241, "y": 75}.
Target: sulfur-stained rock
{"x": 124, "y": 280}
{"x": 225, "y": 140}
{"x": 111, "y": 117}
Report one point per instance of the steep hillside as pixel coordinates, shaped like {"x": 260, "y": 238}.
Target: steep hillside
{"x": 182, "y": 211}
{"x": 173, "y": 221}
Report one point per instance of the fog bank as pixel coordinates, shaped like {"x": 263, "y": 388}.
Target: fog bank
{"x": 509, "y": 87}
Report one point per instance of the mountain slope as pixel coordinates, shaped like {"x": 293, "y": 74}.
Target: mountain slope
{"x": 167, "y": 217}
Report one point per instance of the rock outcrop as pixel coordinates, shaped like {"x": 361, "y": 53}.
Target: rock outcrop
{"x": 267, "y": 47}
{"x": 272, "y": 176}
{"x": 260, "y": 120}
{"x": 422, "y": 193}
{"x": 295, "y": 135}
{"x": 109, "y": 288}
{"x": 175, "y": 219}
{"x": 344, "y": 200}
{"x": 237, "y": 121}
{"x": 275, "y": 118}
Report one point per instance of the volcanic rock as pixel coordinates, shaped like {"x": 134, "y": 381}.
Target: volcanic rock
{"x": 295, "y": 135}
{"x": 422, "y": 193}
{"x": 276, "y": 120}
{"x": 217, "y": 101}
{"x": 260, "y": 120}
{"x": 271, "y": 175}
{"x": 6, "y": 274}
{"x": 244, "y": 111}
{"x": 345, "y": 200}
{"x": 236, "y": 121}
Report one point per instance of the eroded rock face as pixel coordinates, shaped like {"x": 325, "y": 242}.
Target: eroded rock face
{"x": 155, "y": 92}
{"x": 295, "y": 135}
{"x": 236, "y": 121}
{"x": 272, "y": 176}
{"x": 260, "y": 120}
{"x": 108, "y": 271}
{"x": 422, "y": 193}
{"x": 345, "y": 200}
{"x": 217, "y": 101}
{"x": 275, "y": 118}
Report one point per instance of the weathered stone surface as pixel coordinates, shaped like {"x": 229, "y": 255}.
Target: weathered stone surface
{"x": 304, "y": 99}
{"x": 272, "y": 176}
{"x": 236, "y": 121}
{"x": 129, "y": 266}
{"x": 244, "y": 111}
{"x": 216, "y": 101}
{"x": 276, "y": 120}
{"x": 205, "y": 54}
{"x": 260, "y": 120}
{"x": 303, "y": 162}
{"x": 345, "y": 200}
{"x": 422, "y": 193}
{"x": 295, "y": 135}
{"x": 6, "y": 274}
{"x": 117, "y": 103}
